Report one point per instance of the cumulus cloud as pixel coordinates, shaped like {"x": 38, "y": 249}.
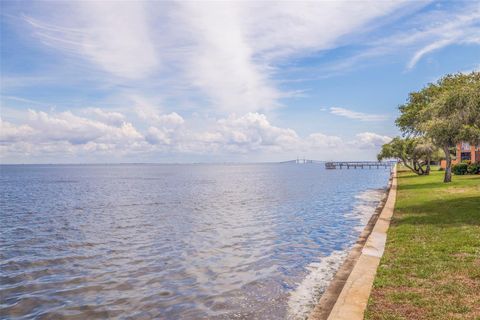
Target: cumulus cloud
{"x": 320, "y": 140}
{"x": 158, "y": 136}
{"x": 108, "y": 117}
{"x": 357, "y": 115}
{"x": 57, "y": 134}
{"x": 222, "y": 58}
{"x": 151, "y": 113}
{"x": 370, "y": 140}
{"x": 66, "y": 126}
{"x": 253, "y": 131}
{"x": 10, "y": 133}
{"x": 99, "y": 132}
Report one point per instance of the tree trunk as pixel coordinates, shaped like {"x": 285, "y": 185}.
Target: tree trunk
{"x": 428, "y": 166}
{"x": 417, "y": 167}
{"x": 420, "y": 171}
{"x": 448, "y": 167}
{"x": 414, "y": 166}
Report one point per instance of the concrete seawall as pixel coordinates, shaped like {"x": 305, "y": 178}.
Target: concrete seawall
{"x": 347, "y": 295}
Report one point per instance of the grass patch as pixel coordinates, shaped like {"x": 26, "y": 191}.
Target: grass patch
{"x": 431, "y": 265}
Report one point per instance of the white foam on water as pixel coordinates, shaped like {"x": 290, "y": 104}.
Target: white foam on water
{"x": 365, "y": 205}
{"x": 304, "y": 298}
{"x": 306, "y": 295}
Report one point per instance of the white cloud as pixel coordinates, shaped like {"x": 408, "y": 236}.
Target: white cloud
{"x": 20, "y": 99}
{"x": 96, "y": 131}
{"x": 220, "y": 59}
{"x": 250, "y": 132}
{"x": 66, "y": 126}
{"x": 56, "y": 134}
{"x": 418, "y": 36}
{"x": 10, "y": 133}
{"x": 108, "y": 117}
{"x": 319, "y": 140}
{"x": 171, "y": 120}
{"x": 150, "y": 112}
{"x": 303, "y": 25}
{"x": 357, "y": 115}
{"x": 232, "y": 48}
{"x": 229, "y": 52}
{"x": 158, "y": 136}
{"x": 113, "y": 35}
{"x": 370, "y": 140}
{"x": 427, "y": 49}
{"x": 216, "y": 58}
{"x": 439, "y": 30}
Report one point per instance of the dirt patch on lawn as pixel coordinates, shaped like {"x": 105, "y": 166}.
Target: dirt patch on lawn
{"x": 385, "y": 306}
{"x": 454, "y": 298}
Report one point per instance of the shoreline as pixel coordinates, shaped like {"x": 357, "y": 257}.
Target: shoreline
{"x": 328, "y": 299}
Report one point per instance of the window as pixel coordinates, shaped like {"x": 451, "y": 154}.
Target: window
{"x": 465, "y": 156}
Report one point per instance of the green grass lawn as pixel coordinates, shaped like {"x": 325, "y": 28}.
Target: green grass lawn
{"x": 431, "y": 265}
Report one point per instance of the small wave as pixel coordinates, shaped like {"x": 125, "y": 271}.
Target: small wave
{"x": 365, "y": 205}
{"x": 307, "y": 294}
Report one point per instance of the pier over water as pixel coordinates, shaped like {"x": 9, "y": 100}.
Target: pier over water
{"x": 346, "y": 164}
{"x": 359, "y": 164}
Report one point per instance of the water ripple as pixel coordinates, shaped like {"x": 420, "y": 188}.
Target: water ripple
{"x": 175, "y": 241}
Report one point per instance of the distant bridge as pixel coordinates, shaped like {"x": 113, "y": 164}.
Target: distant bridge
{"x": 302, "y": 161}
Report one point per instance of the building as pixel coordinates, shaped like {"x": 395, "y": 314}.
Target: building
{"x": 464, "y": 152}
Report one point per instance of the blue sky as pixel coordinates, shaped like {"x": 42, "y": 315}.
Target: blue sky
{"x": 101, "y": 81}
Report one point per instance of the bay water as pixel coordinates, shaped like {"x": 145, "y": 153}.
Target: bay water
{"x": 196, "y": 241}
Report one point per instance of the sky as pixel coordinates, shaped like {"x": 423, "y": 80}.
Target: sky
{"x": 163, "y": 82}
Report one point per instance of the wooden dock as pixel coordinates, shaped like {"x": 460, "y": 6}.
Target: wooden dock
{"x": 359, "y": 164}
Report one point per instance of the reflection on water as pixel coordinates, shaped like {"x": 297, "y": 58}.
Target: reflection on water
{"x": 174, "y": 241}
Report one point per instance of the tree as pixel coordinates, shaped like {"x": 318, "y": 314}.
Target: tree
{"x": 454, "y": 115}
{"x": 425, "y": 148}
{"x": 447, "y": 113}
{"x": 414, "y": 153}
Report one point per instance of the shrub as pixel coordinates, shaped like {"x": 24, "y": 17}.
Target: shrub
{"x": 460, "y": 168}
{"x": 473, "y": 168}
{"x": 441, "y": 169}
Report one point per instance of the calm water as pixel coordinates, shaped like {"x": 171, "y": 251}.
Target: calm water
{"x": 176, "y": 241}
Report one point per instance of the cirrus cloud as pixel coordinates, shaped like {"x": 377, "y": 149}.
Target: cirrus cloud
{"x": 228, "y": 53}
{"x": 357, "y": 115}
